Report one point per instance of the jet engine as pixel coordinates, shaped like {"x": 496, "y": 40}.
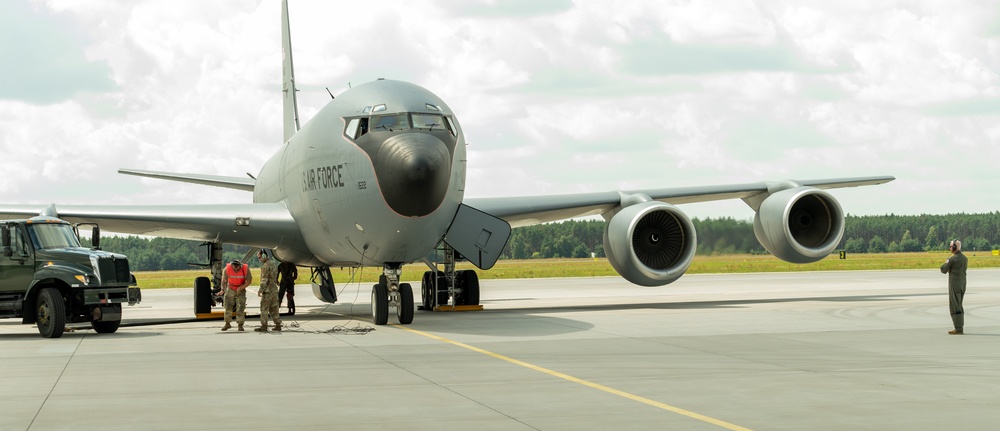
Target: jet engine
{"x": 800, "y": 224}
{"x": 650, "y": 243}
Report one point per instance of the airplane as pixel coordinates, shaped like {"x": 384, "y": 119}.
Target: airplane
{"x": 377, "y": 178}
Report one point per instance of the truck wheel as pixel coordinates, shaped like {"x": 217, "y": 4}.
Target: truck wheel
{"x": 106, "y": 327}
{"x": 202, "y": 295}
{"x": 51, "y": 313}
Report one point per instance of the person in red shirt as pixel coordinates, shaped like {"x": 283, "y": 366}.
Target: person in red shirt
{"x": 234, "y": 285}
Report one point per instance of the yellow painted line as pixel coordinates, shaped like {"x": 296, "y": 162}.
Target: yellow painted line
{"x": 599, "y": 387}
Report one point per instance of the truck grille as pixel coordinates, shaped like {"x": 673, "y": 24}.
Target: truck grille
{"x": 113, "y": 270}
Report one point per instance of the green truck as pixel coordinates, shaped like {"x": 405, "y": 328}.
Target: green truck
{"x": 49, "y": 279}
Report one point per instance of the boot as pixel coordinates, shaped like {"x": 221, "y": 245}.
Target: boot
{"x": 226, "y": 326}
{"x": 277, "y": 327}
{"x": 240, "y": 328}
{"x": 262, "y": 328}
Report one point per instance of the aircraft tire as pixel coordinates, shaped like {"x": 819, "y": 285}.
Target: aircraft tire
{"x": 380, "y": 304}
{"x": 470, "y": 288}
{"x": 404, "y": 311}
{"x": 51, "y": 313}
{"x": 426, "y": 284}
{"x": 441, "y": 296}
{"x": 202, "y": 295}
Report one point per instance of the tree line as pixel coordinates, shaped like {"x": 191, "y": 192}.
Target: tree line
{"x": 585, "y": 238}
{"x": 862, "y": 234}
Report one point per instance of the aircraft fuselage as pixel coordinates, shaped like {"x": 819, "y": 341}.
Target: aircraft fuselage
{"x": 375, "y": 177}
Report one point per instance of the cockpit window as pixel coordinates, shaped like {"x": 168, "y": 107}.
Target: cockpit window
{"x": 390, "y": 123}
{"x": 360, "y": 126}
{"x": 356, "y": 127}
{"x": 451, "y": 126}
{"x": 428, "y": 121}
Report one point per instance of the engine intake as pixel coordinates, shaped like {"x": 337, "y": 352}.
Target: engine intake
{"x": 799, "y": 225}
{"x": 650, "y": 243}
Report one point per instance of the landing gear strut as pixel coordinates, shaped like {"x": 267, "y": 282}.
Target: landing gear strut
{"x": 390, "y": 291}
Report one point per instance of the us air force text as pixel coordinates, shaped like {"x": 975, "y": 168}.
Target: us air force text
{"x": 324, "y": 177}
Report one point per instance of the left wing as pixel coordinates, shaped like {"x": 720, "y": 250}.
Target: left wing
{"x": 525, "y": 211}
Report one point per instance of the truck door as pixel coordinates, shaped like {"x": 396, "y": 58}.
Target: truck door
{"x": 18, "y": 270}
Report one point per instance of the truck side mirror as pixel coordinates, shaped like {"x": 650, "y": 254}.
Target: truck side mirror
{"x": 95, "y": 237}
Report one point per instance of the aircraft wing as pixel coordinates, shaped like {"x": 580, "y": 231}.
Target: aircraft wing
{"x": 529, "y": 210}
{"x": 238, "y": 183}
{"x": 264, "y": 225}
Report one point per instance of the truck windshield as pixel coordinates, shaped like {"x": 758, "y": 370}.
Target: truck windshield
{"x": 53, "y": 236}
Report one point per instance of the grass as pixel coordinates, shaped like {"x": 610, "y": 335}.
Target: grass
{"x": 550, "y": 268}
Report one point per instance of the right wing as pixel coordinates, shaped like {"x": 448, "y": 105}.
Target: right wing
{"x": 529, "y": 210}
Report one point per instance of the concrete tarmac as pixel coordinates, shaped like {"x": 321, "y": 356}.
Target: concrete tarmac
{"x": 787, "y": 351}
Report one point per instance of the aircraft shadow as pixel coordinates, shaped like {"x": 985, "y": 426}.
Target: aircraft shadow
{"x": 735, "y": 303}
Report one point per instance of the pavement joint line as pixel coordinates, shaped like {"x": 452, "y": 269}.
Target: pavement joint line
{"x": 583, "y": 382}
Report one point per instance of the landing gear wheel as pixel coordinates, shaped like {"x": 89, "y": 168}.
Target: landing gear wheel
{"x": 441, "y": 296}
{"x": 470, "y": 287}
{"x": 202, "y": 296}
{"x": 51, "y": 313}
{"x": 404, "y": 311}
{"x": 380, "y": 304}
{"x": 106, "y": 327}
{"x": 426, "y": 285}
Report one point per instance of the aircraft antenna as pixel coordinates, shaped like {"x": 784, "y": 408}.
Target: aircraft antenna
{"x": 291, "y": 108}
{"x": 331, "y": 94}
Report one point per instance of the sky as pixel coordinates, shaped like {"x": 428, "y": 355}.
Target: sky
{"x": 554, "y": 96}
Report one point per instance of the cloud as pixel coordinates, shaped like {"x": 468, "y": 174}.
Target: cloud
{"x": 554, "y": 97}
{"x": 45, "y": 60}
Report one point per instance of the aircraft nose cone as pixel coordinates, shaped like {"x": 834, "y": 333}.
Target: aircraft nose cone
{"x": 413, "y": 171}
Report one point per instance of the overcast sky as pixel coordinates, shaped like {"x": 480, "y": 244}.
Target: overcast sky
{"x": 554, "y": 97}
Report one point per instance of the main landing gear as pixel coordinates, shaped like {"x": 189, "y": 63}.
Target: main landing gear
{"x": 460, "y": 287}
{"x": 437, "y": 290}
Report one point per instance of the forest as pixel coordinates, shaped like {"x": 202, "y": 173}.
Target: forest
{"x": 584, "y": 238}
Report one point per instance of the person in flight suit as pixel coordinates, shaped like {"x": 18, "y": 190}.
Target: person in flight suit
{"x": 287, "y": 274}
{"x": 955, "y": 267}
{"x": 234, "y": 283}
{"x": 268, "y": 293}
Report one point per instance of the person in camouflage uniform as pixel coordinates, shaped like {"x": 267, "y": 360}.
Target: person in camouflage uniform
{"x": 268, "y": 293}
{"x": 956, "y": 267}
{"x": 234, "y": 291}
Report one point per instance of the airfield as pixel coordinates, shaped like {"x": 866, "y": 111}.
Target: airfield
{"x": 857, "y": 350}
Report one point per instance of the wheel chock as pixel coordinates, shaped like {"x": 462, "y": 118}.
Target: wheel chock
{"x": 458, "y": 307}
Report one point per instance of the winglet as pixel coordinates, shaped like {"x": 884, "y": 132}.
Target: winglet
{"x": 291, "y": 108}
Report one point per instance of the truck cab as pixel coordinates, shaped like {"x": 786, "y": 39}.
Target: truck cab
{"x": 49, "y": 279}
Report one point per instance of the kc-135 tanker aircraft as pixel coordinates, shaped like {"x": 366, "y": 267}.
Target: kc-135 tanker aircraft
{"x": 377, "y": 178}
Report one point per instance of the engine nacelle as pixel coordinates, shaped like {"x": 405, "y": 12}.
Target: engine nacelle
{"x": 799, "y": 225}
{"x": 650, "y": 243}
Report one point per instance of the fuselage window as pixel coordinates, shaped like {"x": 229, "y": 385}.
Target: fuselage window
{"x": 391, "y": 123}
